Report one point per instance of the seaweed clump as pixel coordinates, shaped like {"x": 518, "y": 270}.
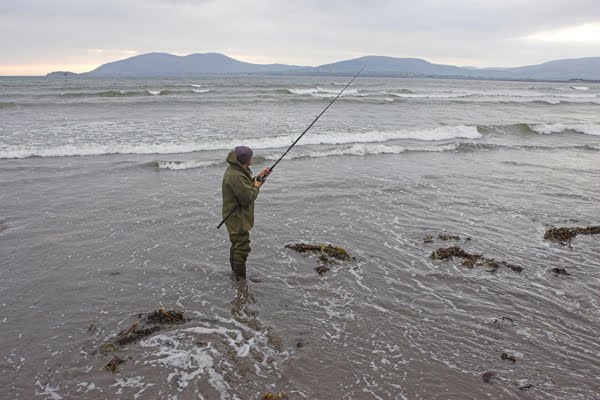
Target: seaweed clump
{"x": 444, "y": 236}
{"x": 486, "y": 377}
{"x": 270, "y": 396}
{"x": 113, "y": 365}
{"x": 328, "y": 254}
{"x": 565, "y": 235}
{"x": 145, "y": 325}
{"x": 326, "y": 250}
{"x": 472, "y": 260}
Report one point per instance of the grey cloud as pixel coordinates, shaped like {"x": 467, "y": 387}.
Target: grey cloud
{"x": 313, "y": 31}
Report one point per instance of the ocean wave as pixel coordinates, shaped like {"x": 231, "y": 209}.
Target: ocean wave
{"x": 195, "y": 85}
{"x": 547, "y": 129}
{"x": 132, "y": 93}
{"x": 188, "y": 164}
{"x": 105, "y": 93}
{"x": 413, "y": 95}
{"x": 331, "y": 138}
{"x": 583, "y": 88}
{"x": 84, "y": 149}
{"x": 365, "y": 149}
{"x": 321, "y": 92}
{"x": 336, "y": 138}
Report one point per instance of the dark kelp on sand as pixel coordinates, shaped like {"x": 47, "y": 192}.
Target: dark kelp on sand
{"x": 471, "y": 260}
{"x": 273, "y": 396}
{"x": 328, "y": 254}
{"x": 444, "y": 237}
{"x": 145, "y": 325}
{"x": 113, "y": 365}
{"x": 565, "y": 235}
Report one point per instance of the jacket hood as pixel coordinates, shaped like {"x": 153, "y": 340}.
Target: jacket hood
{"x": 233, "y": 161}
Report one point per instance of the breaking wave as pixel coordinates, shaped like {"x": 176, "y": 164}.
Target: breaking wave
{"x": 359, "y": 143}
{"x": 360, "y": 149}
{"x": 132, "y": 93}
{"x": 321, "y": 92}
{"x": 96, "y": 150}
{"x": 547, "y": 129}
{"x": 189, "y": 164}
{"x": 332, "y": 138}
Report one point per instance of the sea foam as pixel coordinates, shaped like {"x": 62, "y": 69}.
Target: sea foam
{"x": 547, "y": 129}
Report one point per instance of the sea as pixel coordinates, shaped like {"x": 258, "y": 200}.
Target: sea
{"x": 110, "y": 196}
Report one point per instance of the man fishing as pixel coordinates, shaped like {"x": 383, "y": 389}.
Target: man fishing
{"x": 240, "y": 190}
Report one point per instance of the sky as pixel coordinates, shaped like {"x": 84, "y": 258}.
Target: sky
{"x": 40, "y": 36}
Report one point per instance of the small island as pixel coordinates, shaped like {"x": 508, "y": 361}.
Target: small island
{"x": 60, "y": 74}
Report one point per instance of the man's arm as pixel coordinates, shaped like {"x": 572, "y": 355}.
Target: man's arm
{"x": 244, "y": 191}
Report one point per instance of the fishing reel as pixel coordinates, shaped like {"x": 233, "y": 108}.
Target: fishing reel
{"x": 262, "y": 179}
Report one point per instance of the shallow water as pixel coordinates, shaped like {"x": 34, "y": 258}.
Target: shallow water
{"x": 88, "y": 242}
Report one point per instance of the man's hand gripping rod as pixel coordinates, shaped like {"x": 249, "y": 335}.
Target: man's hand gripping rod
{"x": 260, "y": 178}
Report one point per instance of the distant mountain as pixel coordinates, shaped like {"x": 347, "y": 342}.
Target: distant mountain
{"x": 163, "y": 64}
{"x": 577, "y": 68}
{"x": 387, "y": 66}
{"x": 564, "y": 70}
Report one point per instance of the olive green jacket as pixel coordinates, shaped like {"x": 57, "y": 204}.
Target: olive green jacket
{"x": 238, "y": 190}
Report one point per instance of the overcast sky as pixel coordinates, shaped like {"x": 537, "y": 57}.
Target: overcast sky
{"x": 38, "y": 36}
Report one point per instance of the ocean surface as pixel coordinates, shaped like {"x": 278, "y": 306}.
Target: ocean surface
{"x": 111, "y": 193}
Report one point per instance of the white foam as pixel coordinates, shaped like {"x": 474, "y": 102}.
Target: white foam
{"x": 195, "y": 85}
{"x": 360, "y": 149}
{"x": 583, "y": 88}
{"x": 429, "y": 95}
{"x": 189, "y": 363}
{"x": 434, "y": 134}
{"x": 48, "y": 391}
{"x": 547, "y": 129}
{"x": 321, "y": 92}
{"x": 200, "y": 91}
{"x": 180, "y": 165}
{"x": 96, "y": 149}
{"x": 87, "y": 386}
{"x": 154, "y": 92}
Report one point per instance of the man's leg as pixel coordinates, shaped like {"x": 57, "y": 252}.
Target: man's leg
{"x": 240, "y": 244}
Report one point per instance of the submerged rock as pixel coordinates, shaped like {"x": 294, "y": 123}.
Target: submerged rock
{"x": 502, "y": 322}
{"x": 508, "y": 357}
{"x": 565, "y": 235}
{"x": 560, "y": 271}
{"x": 486, "y": 377}
{"x": 472, "y": 260}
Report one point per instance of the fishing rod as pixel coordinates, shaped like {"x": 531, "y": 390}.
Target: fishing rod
{"x": 260, "y": 178}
